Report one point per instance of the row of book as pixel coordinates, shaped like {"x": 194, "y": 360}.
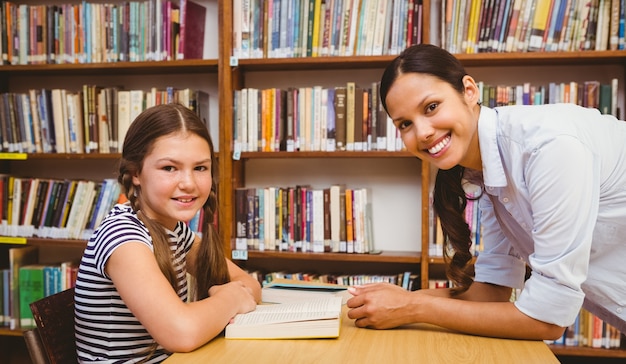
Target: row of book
{"x": 92, "y": 120}
{"x": 590, "y": 331}
{"x": 593, "y": 93}
{"x": 84, "y": 32}
{"x": 333, "y": 219}
{"x": 407, "y": 280}
{"x": 347, "y": 117}
{"x": 55, "y": 208}
{"x": 320, "y": 28}
{"x": 24, "y": 280}
{"x": 528, "y": 25}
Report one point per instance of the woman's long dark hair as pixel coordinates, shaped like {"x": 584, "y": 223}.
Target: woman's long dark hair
{"x": 449, "y": 197}
{"x": 151, "y": 124}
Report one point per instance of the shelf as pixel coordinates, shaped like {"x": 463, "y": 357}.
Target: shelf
{"x": 439, "y": 260}
{"x": 59, "y": 156}
{"x": 4, "y": 331}
{"x": 587, "y": 352}
{"x": 62, "y": 156}
{"x": 313, "y": 63}
{"x": 384, "y": 257}
{"x": 542, "y": 58}
{"x": 118, "y": 68}
{"x": 473, "y": 60}
{"x": 71, "y": 243}
{"x": 338, "y": 154}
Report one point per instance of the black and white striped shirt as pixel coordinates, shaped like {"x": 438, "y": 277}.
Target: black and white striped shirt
{"x": 106, "y": 330}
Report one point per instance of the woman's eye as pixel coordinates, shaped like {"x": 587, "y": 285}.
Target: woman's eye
{"x": 168, "y": 168}
{"x": 431, "y": 107}
{"x": 201, "y": 168}
{"x": 404, "y": 124}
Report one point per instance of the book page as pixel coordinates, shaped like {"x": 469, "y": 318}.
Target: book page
{"x": 317, "y": 309}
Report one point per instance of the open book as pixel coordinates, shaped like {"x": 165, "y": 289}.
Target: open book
{"x": 315, "y": 318}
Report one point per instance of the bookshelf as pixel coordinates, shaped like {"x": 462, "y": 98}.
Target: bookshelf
{"x": 217, "y": 71}
{"x": 195, "y": 74}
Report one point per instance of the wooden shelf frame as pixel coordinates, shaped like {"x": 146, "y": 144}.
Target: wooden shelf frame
{"x": 231, "y": 172}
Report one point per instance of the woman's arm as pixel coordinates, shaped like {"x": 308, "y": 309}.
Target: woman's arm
{"x": 176, "y": 325}
{"x": 483, "y": 310}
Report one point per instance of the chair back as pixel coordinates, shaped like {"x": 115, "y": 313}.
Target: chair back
{"x": 35, "y": 347}
{"x": 54, "y": 316}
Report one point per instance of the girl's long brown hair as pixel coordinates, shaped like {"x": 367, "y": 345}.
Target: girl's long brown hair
{"x": 449, "y": 197}
{"x": 155, "y": 122}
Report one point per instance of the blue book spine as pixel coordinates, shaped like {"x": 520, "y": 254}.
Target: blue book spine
{"x": 295, "y": 41}
{"x": 48, "y": 287}
{"x": 87, "y": 29}
{"x": 622, "y": 24}
{"x": 275, "y": 29}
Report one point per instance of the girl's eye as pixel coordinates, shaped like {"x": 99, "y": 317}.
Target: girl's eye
{"x": 168, "y": 168}
{"x": 201, "y": 168}
{"x": 431, "y": 107}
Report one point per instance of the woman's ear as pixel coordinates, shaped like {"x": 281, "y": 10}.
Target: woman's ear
{"x": 471, "y": 93}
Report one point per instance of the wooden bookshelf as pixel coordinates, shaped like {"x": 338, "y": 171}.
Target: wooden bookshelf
{"x": 232, "y": 75}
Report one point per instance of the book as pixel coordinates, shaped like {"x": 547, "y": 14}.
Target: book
{"x": 18, "y": 257}
{"x": 283, "y": 290}
{"x": 31, "y": 288}
{"x": 340, "y": 118}
{"x": 123, "y": 116}
{"x": 314, "y": 318}
{"x": 191, "y": 38}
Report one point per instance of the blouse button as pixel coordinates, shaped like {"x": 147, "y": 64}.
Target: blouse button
{"x": 505, "y": 200}
{"x": 619, "y": 310}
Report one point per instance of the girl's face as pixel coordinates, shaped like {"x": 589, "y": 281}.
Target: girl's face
{"x": 175, "y": 180}
{"x": 437, "y": 124}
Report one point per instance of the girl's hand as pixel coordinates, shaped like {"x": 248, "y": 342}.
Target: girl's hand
{"x": 237, "y": 294}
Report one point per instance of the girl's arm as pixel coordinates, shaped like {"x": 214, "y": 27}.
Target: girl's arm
{"x": 176, "y": 325}
{"x": 239, "y": 275}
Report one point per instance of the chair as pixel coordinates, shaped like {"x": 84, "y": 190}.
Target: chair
{"x": 53, "y": 341}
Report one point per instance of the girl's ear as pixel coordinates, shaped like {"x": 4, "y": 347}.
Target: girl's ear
{"x": 472, "y": 93}
{"x": 136, "y": 180}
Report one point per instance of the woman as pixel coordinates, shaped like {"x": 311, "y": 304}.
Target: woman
{"x": 132, "y": 295}
{"x": 554, "y": 199}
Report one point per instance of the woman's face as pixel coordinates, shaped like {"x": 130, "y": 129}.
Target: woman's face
{"x": 437, "y": 124}
{"x": 175, "y": 180}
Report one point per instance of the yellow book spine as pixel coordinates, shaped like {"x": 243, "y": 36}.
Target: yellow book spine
{"x": 316, "y": 28}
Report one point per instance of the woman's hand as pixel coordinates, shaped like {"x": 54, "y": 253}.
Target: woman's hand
{"x": 380, "y": 305}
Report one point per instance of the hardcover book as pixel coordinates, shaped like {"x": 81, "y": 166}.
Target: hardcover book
{"x": 192, "y": 20}
{"x": 283, "y": 290}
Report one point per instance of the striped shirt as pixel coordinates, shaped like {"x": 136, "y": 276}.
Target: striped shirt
{"x": 106, "y": 330}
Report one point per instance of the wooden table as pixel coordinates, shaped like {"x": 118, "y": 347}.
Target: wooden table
{"x": 419, "y": 343}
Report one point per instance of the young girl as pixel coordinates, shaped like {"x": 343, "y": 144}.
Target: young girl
{"x": 553, "y": 181}
{"x": 132, "y": 295}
